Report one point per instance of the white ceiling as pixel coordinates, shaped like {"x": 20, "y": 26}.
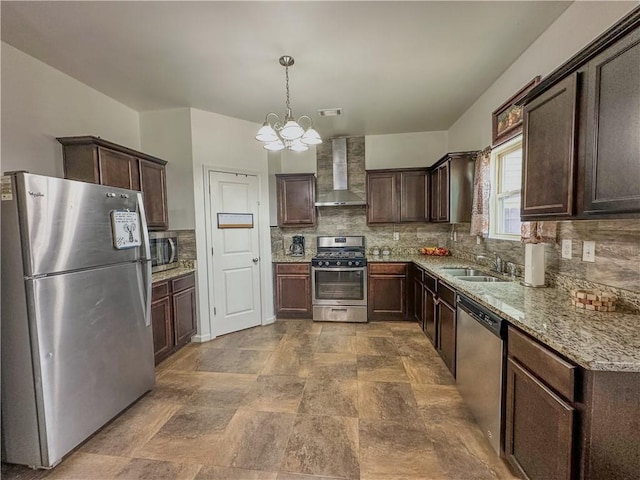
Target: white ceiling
{"x": 392, "y": 66}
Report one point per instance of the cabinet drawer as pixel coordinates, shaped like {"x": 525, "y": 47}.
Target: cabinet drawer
{"x": 300, "y": 268}
{"x": 159, "y": 290}
{"x": 388, "y": 268}
{"x": 542, "y": 362}
{"x": 183, "y": 283}
{"x": 429, "y": 282}
{"x": 447, "y": 294}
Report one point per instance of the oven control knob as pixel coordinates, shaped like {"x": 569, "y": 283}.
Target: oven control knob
{"x": 357, "y": 263}
{"x": 338, "y": 263}
{"x": 350, "y": 263}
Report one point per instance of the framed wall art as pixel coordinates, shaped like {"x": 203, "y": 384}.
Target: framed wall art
{"x": 507, "y": 118}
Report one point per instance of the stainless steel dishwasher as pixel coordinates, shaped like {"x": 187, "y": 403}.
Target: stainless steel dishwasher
{"x": 480, "y": 365}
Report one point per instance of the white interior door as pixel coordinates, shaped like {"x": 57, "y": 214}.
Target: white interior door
{"x": 236, "y": 253}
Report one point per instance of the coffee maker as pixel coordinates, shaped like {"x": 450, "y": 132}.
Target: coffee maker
{"x": 297, "y": 247}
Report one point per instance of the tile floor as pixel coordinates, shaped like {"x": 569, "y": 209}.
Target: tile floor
{"x": 290, "y": 401}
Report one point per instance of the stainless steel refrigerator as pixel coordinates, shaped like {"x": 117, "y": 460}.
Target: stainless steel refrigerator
{"x": 77, "y": 346}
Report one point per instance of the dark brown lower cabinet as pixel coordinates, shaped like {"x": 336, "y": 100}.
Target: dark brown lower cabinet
{"x": 429, "y": 305}
{"x": 417, "y": 293}
{"x": 184, "y": 315}
{"x": 387, "y": 291}
{"x": 162, "y": 328}
{"x": 566, "y": 422}
{"x": 173, "y": 314}
{"x": 445, "y": 324}
{"x": 293, "y": 290}
{"x": 446, "y": 336}
{"x": 539, "y": 431}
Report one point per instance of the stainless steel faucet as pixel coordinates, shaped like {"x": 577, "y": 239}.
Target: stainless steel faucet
{"x": 497, "y": 264}
{"x": 512, "y": 270}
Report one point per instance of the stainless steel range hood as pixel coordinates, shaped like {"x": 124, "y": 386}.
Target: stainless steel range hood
{"x": 340, "y": 195}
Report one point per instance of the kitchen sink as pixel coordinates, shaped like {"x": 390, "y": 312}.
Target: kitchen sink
{"x": 481, "y": 278}
{"x": 463, "y": 272}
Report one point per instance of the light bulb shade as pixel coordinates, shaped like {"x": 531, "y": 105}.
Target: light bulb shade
{"x": 298, "y": 146}
{"x": 311, "y": 137}
{"x": 266, "y": 134}
{"x": 274, "y": 146}
{"x": 291, "y": 130}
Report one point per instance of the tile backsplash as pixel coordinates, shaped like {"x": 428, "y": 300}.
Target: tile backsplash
{"x": 617, "y": 265}
{"x": 186, "y": 245}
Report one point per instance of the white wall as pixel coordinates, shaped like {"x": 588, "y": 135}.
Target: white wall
{"x": 299, "y": 162}
{"x": 575, "y": 28}
{"x": 274, "y": 161}
{"x": 228, "y": 143}
{"x": 420, "y": 149}
{"x": 40, "y": 103}
{"x": 167, "y": 134}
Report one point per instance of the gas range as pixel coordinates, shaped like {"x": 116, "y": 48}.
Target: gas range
{"x": 340, "y": 252}
{"x": 339, "y": 280}
{"x": 339, "y": 259}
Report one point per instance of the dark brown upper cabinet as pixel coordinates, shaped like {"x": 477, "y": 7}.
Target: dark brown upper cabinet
{"x": 397, "y": 196}
{"x": 452, "y": 187}
{"x": 296, "y": 200}
{"x": 92, "y": 159}
{"x": 582, "y": 132}
{"x": 549, "y": 154}
{"x": 612, "y": 143}
{"x": 154, "y": 190}
{"x": 414, "y": 199}
{"x": 383, "y": 204}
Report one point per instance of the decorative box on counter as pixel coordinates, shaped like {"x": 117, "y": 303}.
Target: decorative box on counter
{"x": 593, "y": 300}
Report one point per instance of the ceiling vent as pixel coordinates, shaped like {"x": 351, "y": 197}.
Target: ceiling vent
{"x": 330, "y": 112}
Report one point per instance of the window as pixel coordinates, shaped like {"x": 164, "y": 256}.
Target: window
{"x": 506, "y": 174}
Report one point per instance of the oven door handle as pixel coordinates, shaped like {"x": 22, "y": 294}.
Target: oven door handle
{"x": 339, "y": 269}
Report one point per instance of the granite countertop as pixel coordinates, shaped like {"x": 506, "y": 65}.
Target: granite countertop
{"x": 283, "y": 258}
{"x": 172, "y": 273}
{"x": 594, "y": 340}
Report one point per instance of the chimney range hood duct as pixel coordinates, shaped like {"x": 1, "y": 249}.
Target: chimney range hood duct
{"x": 340, "y": 195}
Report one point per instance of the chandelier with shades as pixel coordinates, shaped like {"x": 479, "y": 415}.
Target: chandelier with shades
{"x": 287, "y": 133}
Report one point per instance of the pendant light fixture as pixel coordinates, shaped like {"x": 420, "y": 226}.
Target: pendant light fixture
{"x": 287, "y": 133}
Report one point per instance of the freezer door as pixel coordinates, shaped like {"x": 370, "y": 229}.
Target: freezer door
{"x": 66, "y": 225}
{"x": 94, "y": 353}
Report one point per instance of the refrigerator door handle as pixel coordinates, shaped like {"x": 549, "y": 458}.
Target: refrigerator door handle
{"x": 146, "y": 260}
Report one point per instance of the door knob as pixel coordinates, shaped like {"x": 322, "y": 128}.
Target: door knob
{"x": 255, "y": 260}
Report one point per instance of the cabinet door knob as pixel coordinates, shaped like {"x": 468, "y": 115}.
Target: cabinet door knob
{"x": 255, "y": 260}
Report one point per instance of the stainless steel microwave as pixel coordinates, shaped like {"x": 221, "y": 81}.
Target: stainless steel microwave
{"x": 164, "y": 251}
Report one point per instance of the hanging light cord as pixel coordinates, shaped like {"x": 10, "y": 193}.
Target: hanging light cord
{"x": 286, "y": 70}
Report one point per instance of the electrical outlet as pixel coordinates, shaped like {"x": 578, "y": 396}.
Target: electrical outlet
{"x": 566, "y": 248}
{"x": 478, "y": 239}
{"x": 396, "y": 235}
{"x": 588, "y": 251}
{"x": 455, "y": 236}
